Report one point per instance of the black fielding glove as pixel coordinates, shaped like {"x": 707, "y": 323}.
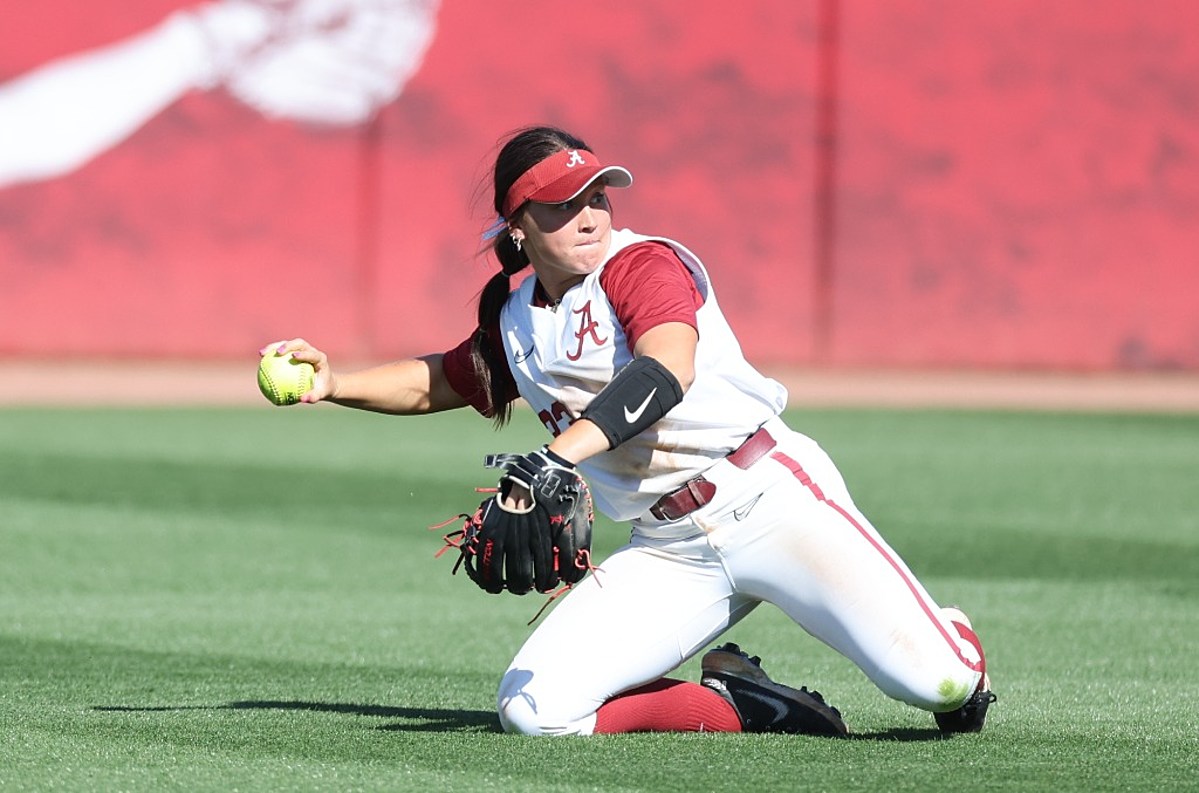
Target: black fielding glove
{"x": 547, "y": 544}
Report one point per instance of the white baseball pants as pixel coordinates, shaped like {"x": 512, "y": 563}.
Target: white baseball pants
{"x": 786, "y": 532}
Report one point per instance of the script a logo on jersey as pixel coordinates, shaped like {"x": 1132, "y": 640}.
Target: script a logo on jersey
{"x": 587, "y": 327}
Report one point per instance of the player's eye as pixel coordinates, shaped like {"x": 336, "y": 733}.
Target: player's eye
{"x": 596, "y": 199}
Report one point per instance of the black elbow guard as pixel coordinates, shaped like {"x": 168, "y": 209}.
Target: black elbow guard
{"x": 640, "y": 394}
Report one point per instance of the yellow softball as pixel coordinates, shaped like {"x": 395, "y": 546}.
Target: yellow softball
{"x": 282, "y": 379}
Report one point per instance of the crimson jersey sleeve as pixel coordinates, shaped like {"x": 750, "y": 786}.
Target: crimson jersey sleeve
{"x": 648, "y": 285}
{"x": 460, "y": 373}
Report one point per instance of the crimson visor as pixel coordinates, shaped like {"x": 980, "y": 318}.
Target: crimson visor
{"x": 560, "y": 177}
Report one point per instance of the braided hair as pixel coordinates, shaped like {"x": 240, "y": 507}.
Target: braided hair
{"x": 524, "y": 149}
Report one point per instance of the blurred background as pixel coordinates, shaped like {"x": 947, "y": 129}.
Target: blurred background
{"x": 908, "y": 183}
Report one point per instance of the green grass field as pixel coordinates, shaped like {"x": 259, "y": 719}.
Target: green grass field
{"x": 247, "y": 599}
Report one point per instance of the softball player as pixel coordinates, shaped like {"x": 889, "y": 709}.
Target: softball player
{"x": 617, "y": 341}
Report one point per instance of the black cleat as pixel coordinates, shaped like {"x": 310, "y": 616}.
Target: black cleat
{"x": 764, "y": 705}
{"x": 970, "y": 717}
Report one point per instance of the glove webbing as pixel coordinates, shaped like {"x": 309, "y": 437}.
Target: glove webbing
{"x": 457, "y": 539}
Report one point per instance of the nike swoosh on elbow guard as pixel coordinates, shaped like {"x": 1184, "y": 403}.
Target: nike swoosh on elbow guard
{"x": 632, "y": 416}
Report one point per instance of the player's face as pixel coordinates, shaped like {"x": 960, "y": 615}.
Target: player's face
{"x": 567, "y": 241}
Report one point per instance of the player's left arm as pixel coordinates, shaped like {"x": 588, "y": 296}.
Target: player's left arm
{"x": 670, "y": 345}
{"x": 655, "y": 299}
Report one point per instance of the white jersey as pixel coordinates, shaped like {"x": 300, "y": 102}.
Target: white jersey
{"x": 561, "y": 357}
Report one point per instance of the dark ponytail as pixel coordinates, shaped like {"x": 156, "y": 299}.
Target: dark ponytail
{"x": 524, "y": 149}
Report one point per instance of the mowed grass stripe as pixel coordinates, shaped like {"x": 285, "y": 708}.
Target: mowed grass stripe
{"x": 248, "y": 599}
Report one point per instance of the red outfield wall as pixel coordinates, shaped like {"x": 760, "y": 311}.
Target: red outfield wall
{"x": 913, "y": 182}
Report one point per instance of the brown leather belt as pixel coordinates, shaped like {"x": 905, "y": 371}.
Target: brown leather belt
{"x": 699, "y": 491}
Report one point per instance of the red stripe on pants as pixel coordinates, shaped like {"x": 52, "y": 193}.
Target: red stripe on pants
{"x": 797, "y": 470}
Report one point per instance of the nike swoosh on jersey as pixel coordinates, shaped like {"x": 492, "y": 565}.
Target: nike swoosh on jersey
{"x": 521, "y": 356}
{"x": 632, "y": 416}
{"x": 742, "y": 512}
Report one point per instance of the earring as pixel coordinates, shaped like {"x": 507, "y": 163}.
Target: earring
{"x": 516, "y": 241}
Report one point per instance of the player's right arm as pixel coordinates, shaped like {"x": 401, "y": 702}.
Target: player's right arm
{"x": 407, "y": 387}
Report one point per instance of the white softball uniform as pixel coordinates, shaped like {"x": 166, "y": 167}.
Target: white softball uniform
{"x": 784, "y": 530}
{"x": 562, "y": 358}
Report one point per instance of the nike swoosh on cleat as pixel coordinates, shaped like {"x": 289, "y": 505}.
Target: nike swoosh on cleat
{"x": 742, "y": 512}
{"x": 632, "y": 416}
{"x": 780, "y": 710}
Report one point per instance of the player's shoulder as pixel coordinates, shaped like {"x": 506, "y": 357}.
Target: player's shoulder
{"x": 645, "y": 251}
{"x": 641, "y": 258}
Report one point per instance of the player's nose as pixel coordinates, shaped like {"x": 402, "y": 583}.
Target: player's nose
{"x": 587, "y": 218}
